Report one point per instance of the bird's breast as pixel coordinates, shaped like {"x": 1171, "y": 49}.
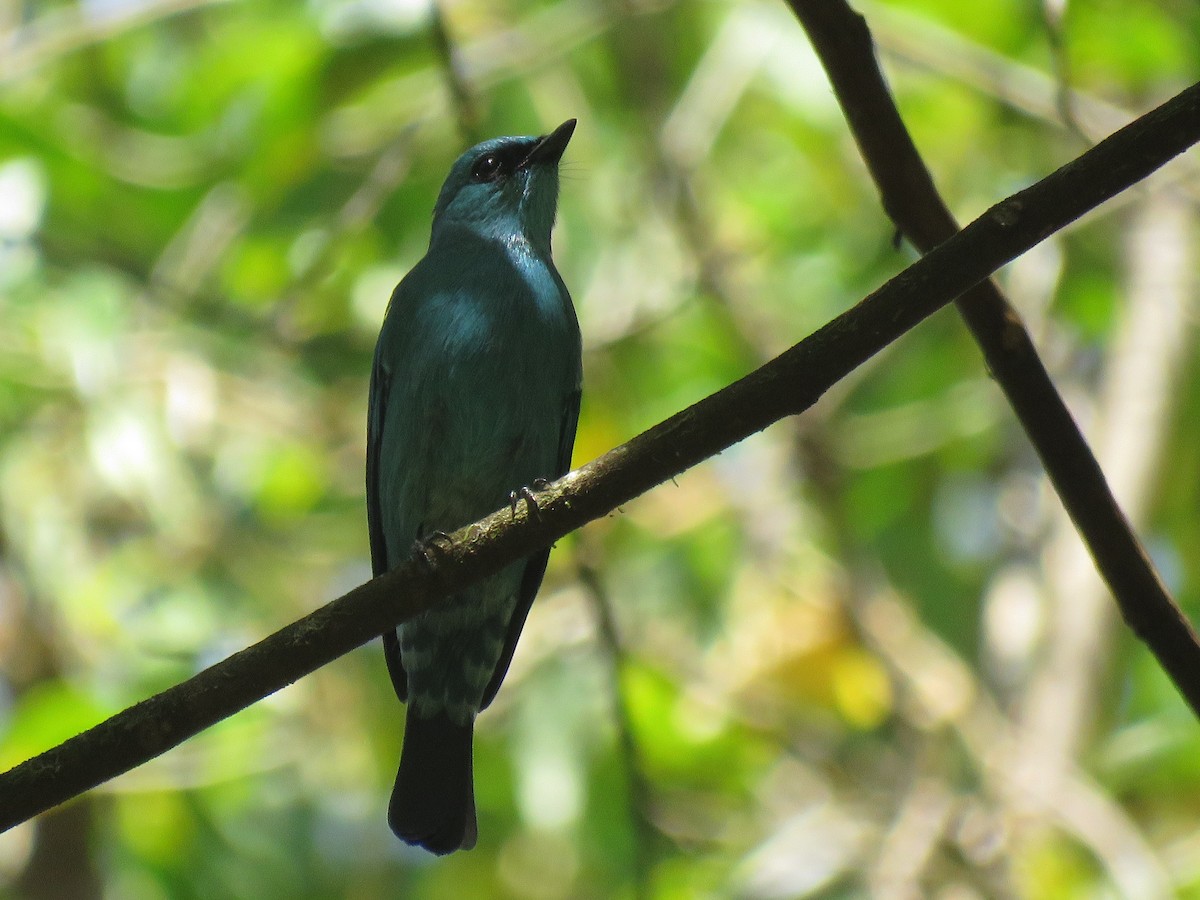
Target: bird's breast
{"x": 486, "y": 380}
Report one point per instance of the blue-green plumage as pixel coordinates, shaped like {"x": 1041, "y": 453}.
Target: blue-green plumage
{"x": 474, "y": 394}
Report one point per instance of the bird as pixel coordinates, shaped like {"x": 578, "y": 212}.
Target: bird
{"x": 475, "y": 392}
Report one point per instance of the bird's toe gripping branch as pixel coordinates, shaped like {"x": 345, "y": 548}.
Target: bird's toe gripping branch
{"x": 526, "y": 494}
{"x": 425, "y": 548}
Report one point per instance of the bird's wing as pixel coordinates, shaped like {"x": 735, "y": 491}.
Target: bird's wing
{"x": 381, "y": 384}
{"x": 535, "y": 568}
{"x": 376, "y": 409}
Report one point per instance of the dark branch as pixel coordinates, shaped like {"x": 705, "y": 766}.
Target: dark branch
{"x": 911, "y": 200}
{"x": 787, "y": 385}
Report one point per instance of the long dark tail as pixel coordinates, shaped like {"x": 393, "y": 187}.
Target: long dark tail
{"x": 433, "y": 802}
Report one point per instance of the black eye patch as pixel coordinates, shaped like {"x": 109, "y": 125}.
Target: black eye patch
{"x": 487, "y": 168}
{"x": 499, "y": 163}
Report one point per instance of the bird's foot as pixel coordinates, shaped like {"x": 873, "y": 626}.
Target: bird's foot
{"x": 526, "y": 494}
{"x": 425, "y": 548}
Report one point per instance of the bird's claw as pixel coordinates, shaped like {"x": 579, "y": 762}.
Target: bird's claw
{"x": 424, "y": 549}
{"x": 530, "y": 501}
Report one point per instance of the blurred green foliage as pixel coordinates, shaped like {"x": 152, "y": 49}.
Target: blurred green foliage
{"x": 832, "y": 640}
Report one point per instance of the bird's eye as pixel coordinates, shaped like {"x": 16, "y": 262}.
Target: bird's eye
{"x": 488, "y": 167}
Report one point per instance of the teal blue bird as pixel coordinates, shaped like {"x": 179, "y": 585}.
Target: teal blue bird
{"x": 474, "y": 396}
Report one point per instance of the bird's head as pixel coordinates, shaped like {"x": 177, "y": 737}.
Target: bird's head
{"x": 505, "y": 189}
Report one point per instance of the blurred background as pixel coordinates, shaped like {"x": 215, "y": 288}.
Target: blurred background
{"x": 862, "y": 653}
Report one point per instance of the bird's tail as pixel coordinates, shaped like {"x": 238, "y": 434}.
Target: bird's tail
{"x": 433, "y": 802}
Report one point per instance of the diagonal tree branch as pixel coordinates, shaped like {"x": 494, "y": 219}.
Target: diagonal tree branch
{"x": 785, "y": 386}
{"x": 843, "y": 42}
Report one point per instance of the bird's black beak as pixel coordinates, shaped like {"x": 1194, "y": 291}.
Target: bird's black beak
{"x": 549, "y": 148}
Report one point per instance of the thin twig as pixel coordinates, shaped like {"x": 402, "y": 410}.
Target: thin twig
{"x": 1064, "y": 100}
{"x": 638, "y": 786}
{"x": 390, "y": 168}
{"x": 462, "y": 100}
